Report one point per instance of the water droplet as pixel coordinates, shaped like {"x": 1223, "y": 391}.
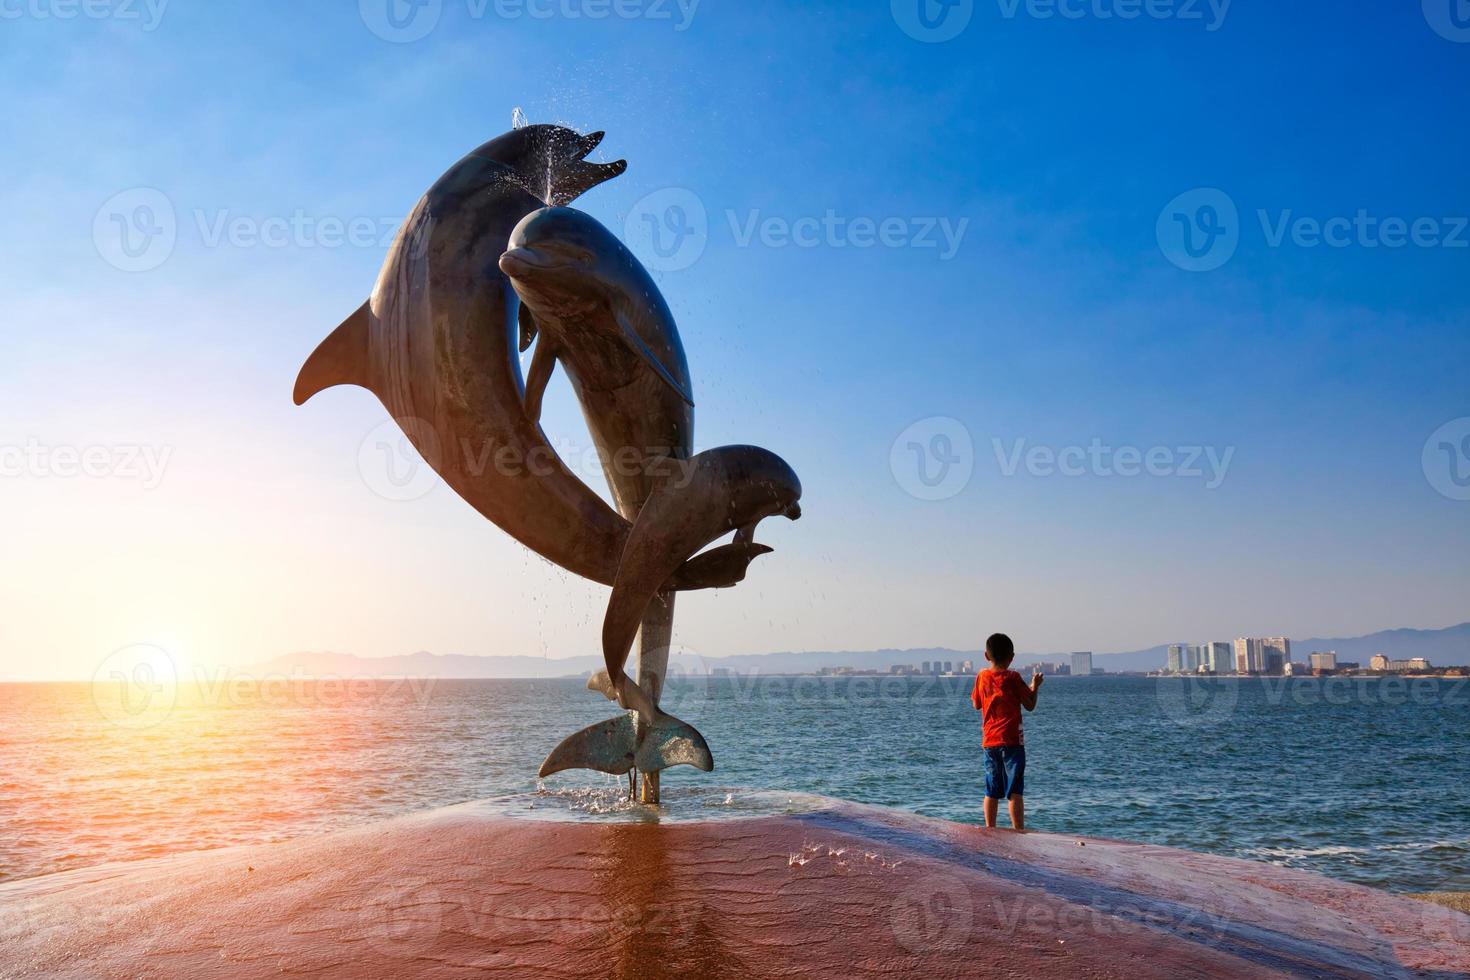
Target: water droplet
{"x": 518, "y": 118}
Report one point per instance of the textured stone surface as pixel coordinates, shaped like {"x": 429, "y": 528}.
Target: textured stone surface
{"x": 848, "y": 891}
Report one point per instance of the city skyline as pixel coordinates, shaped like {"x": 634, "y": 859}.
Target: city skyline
{"x": 1273, "y": 655}
{"x": 1449, "y": 646}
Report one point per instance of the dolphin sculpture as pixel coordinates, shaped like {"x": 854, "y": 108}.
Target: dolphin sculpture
{"x": 588, "y": 303}
{"x": 438, "y": 343}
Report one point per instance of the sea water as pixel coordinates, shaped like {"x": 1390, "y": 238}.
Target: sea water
{"x": 1364, "y": 780}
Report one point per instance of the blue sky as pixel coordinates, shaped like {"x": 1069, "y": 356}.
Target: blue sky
{"x": 1051, "y": 148}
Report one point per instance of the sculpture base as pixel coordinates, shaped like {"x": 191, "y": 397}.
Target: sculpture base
{"x": 813, "y": 888}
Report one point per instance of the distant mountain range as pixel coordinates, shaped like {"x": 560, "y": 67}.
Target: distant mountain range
{"x": 1443, "y": 648}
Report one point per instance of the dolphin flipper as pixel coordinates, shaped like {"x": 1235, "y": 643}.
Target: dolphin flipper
{"x": 543, "y": 365}
{"x": 341, "y": 359}
{"x": 643, "y": 350}
{"x": 718, "y": 568}
{"x": 527, "y": 321}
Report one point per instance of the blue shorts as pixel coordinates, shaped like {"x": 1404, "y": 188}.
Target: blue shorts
{"x": 1005, "y": 771}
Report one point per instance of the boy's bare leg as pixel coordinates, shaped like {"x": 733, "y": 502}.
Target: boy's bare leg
{"x": 1017, "y": 806}
{"x": 992, "y": 807}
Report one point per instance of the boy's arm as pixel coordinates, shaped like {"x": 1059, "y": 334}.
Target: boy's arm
{"x": 1026, "y": 693}
{"x": 975, "y": 693}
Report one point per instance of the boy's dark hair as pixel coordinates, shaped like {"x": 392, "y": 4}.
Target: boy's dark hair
{"x": 1002, "y": 651}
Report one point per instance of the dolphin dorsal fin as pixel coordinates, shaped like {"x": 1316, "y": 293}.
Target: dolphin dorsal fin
{"x": 341, "y": 359}
{"x": 665, "y": 371}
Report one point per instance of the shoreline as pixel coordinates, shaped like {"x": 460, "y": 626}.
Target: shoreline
{"x": 582, "y": 809}
{"x": 306, "y": 678}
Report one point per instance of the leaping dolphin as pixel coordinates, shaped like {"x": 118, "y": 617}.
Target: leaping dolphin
{"x": 588, "y": 303}
{"x": 435, "y": 343}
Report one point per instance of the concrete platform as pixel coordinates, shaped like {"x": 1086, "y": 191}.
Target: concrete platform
{"x": 828, "y": 889}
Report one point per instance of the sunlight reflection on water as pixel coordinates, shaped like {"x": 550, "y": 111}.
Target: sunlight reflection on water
{"x": 1375, "y": 789}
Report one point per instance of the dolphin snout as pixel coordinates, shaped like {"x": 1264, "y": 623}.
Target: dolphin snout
{"x": 520, "y": 261}
{"x": 793, "y": 511}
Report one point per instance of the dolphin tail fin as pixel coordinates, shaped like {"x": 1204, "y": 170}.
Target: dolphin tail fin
{"x": 341, "y": 359}
{"x": 613, "y": 747}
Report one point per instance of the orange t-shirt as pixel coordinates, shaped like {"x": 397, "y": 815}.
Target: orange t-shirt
{"x": 998, "y": 696}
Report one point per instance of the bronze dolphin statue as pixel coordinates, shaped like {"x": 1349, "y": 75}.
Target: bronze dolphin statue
{"x": 437, "y": 342}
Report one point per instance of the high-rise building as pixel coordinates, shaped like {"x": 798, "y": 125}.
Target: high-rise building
{"x": 1082, "y": 665}
{"x": 949, "y": 666}
{"x": 968, "y": 667}
{"x": 1174, "y": 662}
{"x": 924, "y": 669}
{"x": 1248, "y": 658}
{"x": 1221, "y": 659}
{"x": 1275, "y": 654}
{"x": 1324, "y": 661}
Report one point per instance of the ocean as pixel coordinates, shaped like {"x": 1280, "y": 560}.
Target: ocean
{"x": 1365, "y": 780}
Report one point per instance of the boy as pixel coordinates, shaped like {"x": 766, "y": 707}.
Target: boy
{"x": 999, "y": 695}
